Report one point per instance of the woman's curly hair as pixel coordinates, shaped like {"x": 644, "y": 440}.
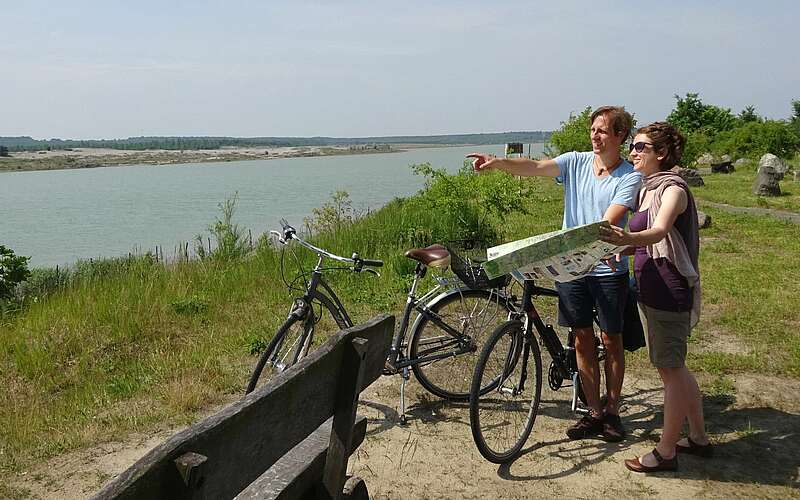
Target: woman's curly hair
{"x": 667, "y": 141}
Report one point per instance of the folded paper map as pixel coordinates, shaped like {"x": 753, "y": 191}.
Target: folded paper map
{"x": 560, "y": 255}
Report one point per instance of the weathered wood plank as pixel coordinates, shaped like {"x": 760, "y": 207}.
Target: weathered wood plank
{"x": 293, "y": 475}
{"x": 245, "y": 438}
{"x": 350, "y": 379}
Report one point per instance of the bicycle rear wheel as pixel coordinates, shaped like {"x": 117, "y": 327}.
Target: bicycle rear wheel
{"x": 474, "y": 314}
{"x": 502, "y": 418}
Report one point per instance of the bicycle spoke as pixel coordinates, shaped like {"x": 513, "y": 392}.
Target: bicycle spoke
{"x": 505, "y": 393}
{"x": 451, "y": 359}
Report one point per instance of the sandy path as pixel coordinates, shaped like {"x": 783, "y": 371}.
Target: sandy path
{"x": 757, "y": 432}
{"x": 434, "y": 456}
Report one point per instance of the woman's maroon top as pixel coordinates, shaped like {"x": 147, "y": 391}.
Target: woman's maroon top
{"x": 661, "y": 286}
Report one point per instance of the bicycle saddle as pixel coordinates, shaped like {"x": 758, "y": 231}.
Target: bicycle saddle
{"x": 432, "y": 256}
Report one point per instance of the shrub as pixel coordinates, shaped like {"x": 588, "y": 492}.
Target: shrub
{"x": 13, "y": 270}
{"x": 753, "y": 139}
{"x": 334, "y": 214}
{"x": 697, "y": 143}
{"x": 231, "y": 242}
{"x": 469, "y": 207}
{"x": 573, "y": 134}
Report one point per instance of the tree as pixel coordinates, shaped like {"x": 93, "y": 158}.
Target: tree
{"x": 573, "y": 134}
{"x": 3, "y": 151}
{"x": 748, "y": 115}
{"x": 13, "y": 270}
{"x": 795, "y": 120}
{"x": 691, "y": 115}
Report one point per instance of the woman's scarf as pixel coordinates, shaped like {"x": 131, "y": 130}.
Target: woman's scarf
{"x": 682, "y": 252}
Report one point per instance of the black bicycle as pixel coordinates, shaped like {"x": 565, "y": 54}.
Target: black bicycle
{"x": 453, "y": 319}
{"x": 294, "y": 338}
{"x": 507, "y": 383}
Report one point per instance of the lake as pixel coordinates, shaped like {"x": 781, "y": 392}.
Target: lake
{"x": 57, "y": 217}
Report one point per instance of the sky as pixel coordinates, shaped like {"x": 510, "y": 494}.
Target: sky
{"x": 114, "y": 69}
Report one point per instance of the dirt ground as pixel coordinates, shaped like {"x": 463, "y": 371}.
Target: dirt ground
{"x": 756, "y": 430}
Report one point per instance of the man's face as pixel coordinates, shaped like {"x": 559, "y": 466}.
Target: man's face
{"x": 603, "y": 137}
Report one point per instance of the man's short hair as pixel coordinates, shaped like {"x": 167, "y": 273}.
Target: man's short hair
{"x": 621, "y": 120}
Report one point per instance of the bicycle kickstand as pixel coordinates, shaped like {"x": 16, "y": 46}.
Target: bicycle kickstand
{"x": 405, "y": 374}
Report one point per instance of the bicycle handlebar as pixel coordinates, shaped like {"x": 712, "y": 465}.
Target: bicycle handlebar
{"x": 290, "y": 233}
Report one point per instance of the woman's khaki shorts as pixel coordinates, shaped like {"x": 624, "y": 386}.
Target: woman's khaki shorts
{"x": 667, "y": 333}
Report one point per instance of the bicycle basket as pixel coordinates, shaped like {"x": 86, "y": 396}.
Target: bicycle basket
{"x": 472, "y": 274}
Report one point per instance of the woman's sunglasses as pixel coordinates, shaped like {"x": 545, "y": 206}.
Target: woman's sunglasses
{"x": 639, "y": 146}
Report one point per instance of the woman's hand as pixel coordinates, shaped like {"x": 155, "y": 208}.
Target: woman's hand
{"x": 615, "y": 235}
{"x": 481, "y": 161}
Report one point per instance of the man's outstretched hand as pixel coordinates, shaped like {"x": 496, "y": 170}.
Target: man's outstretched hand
{"x": 482, "y": 161}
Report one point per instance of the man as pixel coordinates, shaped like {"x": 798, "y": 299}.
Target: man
{"x": 598, "y": 185}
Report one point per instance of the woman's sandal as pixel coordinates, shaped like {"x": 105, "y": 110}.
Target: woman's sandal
{"x": 663, "y": 464}
{"x": 700, "y": 450}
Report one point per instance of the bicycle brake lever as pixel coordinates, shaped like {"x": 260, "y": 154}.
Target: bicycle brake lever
{"x": 368, "y": 270}
{"x": 278, "y": 236}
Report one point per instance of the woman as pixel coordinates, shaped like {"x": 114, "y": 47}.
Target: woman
{"x": 665, "y": 240}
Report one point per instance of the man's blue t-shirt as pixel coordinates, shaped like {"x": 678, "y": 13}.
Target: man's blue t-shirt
{"x": 587, "y": 197}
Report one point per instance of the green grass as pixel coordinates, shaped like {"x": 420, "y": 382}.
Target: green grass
{"x": 136, "y": 346}
{"x": 736, "y": 189}
{"x": 750, "y": 284}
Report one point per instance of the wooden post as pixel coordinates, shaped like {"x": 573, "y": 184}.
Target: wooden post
{"x": 344, "y": 416}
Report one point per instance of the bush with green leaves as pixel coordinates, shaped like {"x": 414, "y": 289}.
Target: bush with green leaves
{"x": 230, "y": 238}
{"x": 334, "y": 214}
{"x": 573, "y": 135}
{"x": 755, "y": 138}
{"x": 467, "y": 208}
{"x": 13, "y": 271}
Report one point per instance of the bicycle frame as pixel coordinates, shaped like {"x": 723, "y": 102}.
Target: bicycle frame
{"x": 563, "y": 356}
{"x": 318, "y": 282}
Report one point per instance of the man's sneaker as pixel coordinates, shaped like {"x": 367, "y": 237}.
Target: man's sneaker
{"x": 588, "y": 426}
{"x": 613, "y": 431}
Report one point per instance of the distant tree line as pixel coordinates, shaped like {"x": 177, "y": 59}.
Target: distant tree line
{"x": 25, "y": 143}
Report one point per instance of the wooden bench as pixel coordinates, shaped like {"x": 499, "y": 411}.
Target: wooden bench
{"x": 290, "y": 438}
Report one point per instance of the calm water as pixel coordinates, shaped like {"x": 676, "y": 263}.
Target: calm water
{"x": 57, "y": 217}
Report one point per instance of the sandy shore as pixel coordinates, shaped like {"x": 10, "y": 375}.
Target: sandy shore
{"x": 98, "y": 157}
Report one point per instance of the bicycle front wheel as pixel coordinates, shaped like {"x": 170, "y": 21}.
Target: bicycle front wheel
{"x": 502, "y": 417}
{"x": 446, "y": 359}
{"x": 289, "y": 344}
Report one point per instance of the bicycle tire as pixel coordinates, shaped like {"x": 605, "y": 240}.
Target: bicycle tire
{"x": 502, "y": 419}
{"x": 474, "y": 312}
{"x": 286, "y": 340}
